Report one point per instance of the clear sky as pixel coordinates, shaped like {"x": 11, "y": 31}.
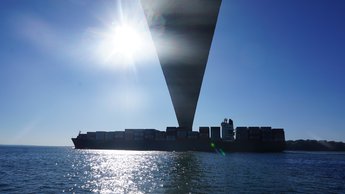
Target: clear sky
{"x": 63, "y": 69}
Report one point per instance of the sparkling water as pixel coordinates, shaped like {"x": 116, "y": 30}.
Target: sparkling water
{"x": 25, "y": 169}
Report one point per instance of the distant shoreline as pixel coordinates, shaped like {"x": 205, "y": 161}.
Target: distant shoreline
{"x": 18, "y": 145}
{"x": 314, "y": 145}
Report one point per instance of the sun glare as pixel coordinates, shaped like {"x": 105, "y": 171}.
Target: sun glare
{"x": 120, "y": 45}
{"x": 125, "y": 41}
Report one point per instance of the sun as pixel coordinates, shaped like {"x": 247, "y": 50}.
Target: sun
{"x": 120, "y": 45}
{"x": 125, "y": 40}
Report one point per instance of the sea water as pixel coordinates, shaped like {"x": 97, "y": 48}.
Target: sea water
{"x": 25, "y": 169}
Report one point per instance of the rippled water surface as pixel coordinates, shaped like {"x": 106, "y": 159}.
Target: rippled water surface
{"x": 63, "y": 169}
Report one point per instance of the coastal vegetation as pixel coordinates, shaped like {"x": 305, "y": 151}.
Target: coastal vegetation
{"x": 314, "y": 145}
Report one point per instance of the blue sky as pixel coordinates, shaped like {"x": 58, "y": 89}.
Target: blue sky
{"x": 277, "y": 63}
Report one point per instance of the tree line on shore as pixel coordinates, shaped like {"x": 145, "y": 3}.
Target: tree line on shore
{"x": 314, "y": 145}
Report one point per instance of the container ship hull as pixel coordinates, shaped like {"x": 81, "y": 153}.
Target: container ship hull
{"x": 180, "y": 145}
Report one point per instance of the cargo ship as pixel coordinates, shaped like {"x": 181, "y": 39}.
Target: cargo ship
{"x": 222, "y": 138}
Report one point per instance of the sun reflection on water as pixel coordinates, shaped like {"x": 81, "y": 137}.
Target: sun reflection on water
{"x": 116, "y": 171}
{"x": 110, "y": 171}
